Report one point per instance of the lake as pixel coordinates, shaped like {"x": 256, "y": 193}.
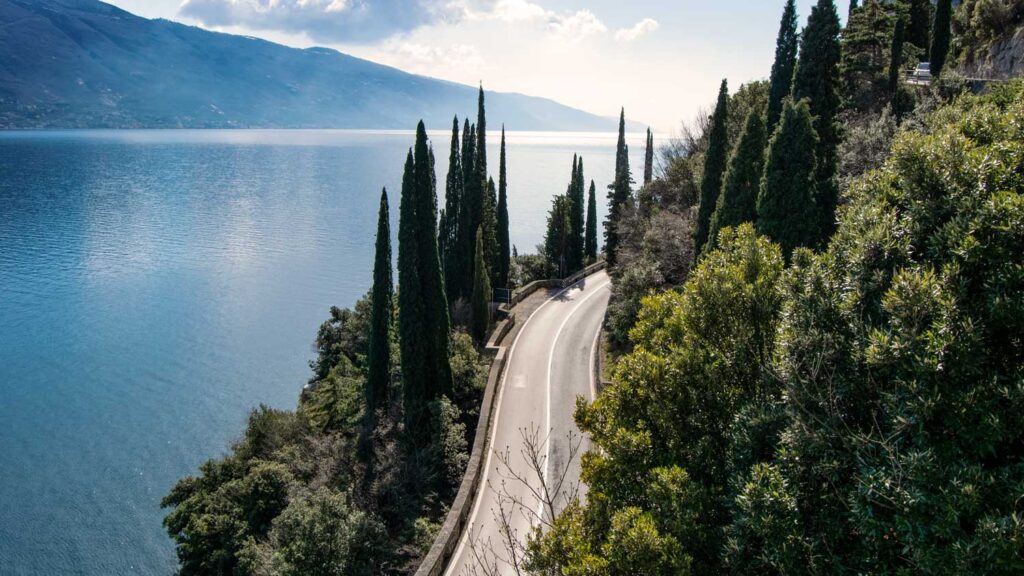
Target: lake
{"x": 157, "y": 285}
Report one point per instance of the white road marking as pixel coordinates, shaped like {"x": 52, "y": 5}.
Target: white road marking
{"x": 547, "y": 393}
{"x": 494, "y": 429}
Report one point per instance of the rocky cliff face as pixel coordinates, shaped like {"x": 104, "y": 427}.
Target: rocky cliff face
{"x": 1002, "y": 59}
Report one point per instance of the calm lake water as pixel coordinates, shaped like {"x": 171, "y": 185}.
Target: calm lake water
{"x": 156, "y": 285}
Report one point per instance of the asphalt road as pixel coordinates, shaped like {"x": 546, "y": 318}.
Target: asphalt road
{"x": 550, "y": 363}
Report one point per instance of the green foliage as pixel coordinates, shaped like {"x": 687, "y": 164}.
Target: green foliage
{"x": 504, "y": 244}
{"x": 423, "y": 320}
{"x": 378, "y": 373}
{"x": 450, "y": 450}
{"x": 590, "y": 247}
{"x": 620, "y": 194}
{"x": 481, "y": 322}
{"x": 919, "y": 28}
{"x": 664, "y": 432}
{"x": 786, "y": 47}
{"x": 649, "y": 159}
{"x": 557, "y": 237}
{"x": 910, "y": 413}
{"x": 818, "y": 80}
{"x": 861, "y": 412}
{"x": 527, "y": 268}
{"x": 450, "y": 245}
{"x": 576, "y": 244}
{"x": 941, "y": 36}
{"x": 979, "y": 24}
{"x": 868, "y": 56}
{"x": 896, "y": 56}
{"x": 714, "y": 167}
{"x": 786, "y": 210}
{"x": 319, "y": 535}
{"x": 738, "y": 201}
{"x": 234, "y": 500}
{"x": 345, "y": 334}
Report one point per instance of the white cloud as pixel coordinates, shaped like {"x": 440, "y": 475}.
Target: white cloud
{"x": 423, "y": 59}
{"x": 577, "y": 26}
{"x": 352, "y": 21}
{"x": 641, "y": 28}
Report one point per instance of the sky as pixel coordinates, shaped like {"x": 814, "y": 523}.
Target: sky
{"x": 661, "y": 59}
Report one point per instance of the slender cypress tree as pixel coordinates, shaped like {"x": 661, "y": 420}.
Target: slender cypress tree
{"x": 471, "y": 216}
{"x": 941, "y": 36}
{"x": 853, "y": 7}
{"x": 489, "y": 223}
{"x": 785, "y": 204}
{"x": 378, "y": 374}
{"x": 590, "y": 242}
{"x": 575, "y": 254}
{"x": 919, "y": 26}
{"x": 649, "y": 159}
{"x": 481, "y": 137}
{"x": 481, "y": 294}
{"x": 738, "y": 201}
{"x": 818, "y": 80}
{"x": 449, "y": 227}
{"x": 424, "y": 324}
{"x": 896, "y": 57}
{"x": 786, "y": 46}
{"x": 619, "y": 193}
{"x": 411, "y": 316}
{"x": 556, "y": 240}
{"x": 715, "y": 161}
{"x": 504, "y": 243}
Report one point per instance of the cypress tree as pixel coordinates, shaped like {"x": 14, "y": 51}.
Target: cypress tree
{"x": 411, "y": 316}
{"x": 853, "y": 7}
{"x": 575, "y": 254}
{"x": 896, "y": 57}
{"x": 556, "y": 240}
{"x": 378, "y": 375}
{"x": 472, "y": 210}
{"x": 738, "y": 201}
{"x": 919, "y": 27}
{"x": 424, "y": 324}
{"x": 590, "y": 242}
{"x": 619, "y": 193}
{"x": 817, "y": 79}
{"x": 489, "y": 223}
{"x": 449, "y": 228}
{"x": 941, "y": 36}
{"x": 785, "y": 203}
{"x": 781, "y": 83}
{"x": 649, "y": 159}
{"x": 504, "y": 243}
{"x": 481, "y": 137}
{"x": 714, "y": 167}
{"x": 481, "y": 294}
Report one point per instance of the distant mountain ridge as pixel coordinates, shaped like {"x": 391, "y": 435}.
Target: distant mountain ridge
{"x": 87, "y": 64}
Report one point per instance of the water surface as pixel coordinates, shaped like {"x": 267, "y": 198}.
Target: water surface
{"x": 156, "y": 285}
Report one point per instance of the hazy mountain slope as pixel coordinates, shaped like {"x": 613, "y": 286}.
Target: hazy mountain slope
{"x": 83, "y": 63}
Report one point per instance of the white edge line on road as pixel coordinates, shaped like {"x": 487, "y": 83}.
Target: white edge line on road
{"x": 547, "y": 391}
{"x": 593, "y": 366}
{"x": 494, "y": 427}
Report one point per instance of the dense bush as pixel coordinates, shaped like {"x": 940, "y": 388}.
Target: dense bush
{"x": 297, "y": 494}
{"x": 861, "y": 411}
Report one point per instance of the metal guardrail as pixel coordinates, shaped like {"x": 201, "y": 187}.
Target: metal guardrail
{"x": 456, "y": 522}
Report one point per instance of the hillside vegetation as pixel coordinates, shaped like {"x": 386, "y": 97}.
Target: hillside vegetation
{"x": 858, "y": 410}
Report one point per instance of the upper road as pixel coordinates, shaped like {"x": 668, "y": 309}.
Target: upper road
{"x": 549, "y": 364}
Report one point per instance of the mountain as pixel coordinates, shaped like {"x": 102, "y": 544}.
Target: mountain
{"x": 87, "y": 64}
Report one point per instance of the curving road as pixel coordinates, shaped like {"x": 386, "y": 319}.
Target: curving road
{"x": 549, "y": 364}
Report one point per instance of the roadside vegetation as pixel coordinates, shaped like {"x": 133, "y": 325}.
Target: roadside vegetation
{"x": 830, "y": 377}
